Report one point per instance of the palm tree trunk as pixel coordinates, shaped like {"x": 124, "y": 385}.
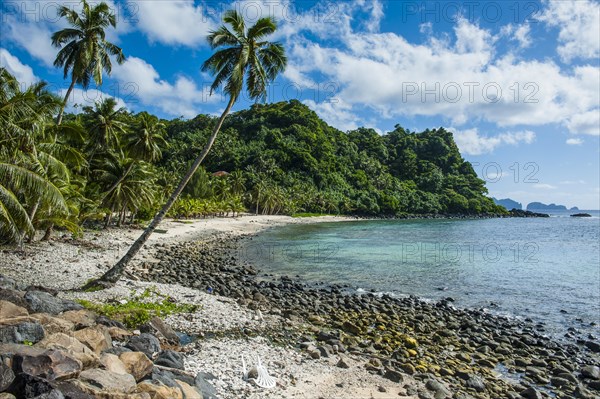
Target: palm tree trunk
{"x": 110, "y": 190}
{"x": 59, "y": 118}
{"x": 113, "y": 275}
{"x": 48, "y": 233}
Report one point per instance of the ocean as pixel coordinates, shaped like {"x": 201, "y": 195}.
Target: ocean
{"x": 544, "y": 269}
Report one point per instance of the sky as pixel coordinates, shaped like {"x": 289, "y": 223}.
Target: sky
{"x": 517, "y": 82}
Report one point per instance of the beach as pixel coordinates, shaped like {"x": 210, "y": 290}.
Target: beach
{"x": 317, "y": 341}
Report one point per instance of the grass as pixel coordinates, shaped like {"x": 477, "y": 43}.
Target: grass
{"x": 309, "y": 215}
{"x": 140, "y": 308}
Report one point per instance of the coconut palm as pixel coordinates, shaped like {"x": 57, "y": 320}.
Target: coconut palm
{"x": 105, "y": 123}
{"x": 243, "y": 56}
{"x": 84, "y": 51}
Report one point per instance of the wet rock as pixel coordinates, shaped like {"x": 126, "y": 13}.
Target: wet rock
{"x": 146, "y": 343}
{"x": 137, "y": 364}
{"x": 531, "y": 393}
{"x": 171, "y": 359}
{"x": 593, "y": 346}
{"x": 592, "y": 372}
{"x": 43, "y": 302}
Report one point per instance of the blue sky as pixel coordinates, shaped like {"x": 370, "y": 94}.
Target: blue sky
{"x": 518, "y": 82}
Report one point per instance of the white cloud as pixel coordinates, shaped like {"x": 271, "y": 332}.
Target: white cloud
{"x": 178, "y": 22}
{"x": 571, "y": 182}
{"x": 22, "y": 72}
{"x": 578, "y": 22}
{"x": 183, "y": 97}
{"x": 574, "y": 141}
{"x": 80, "y": 98}
{"x": 543, "y": 186}
{"x": 585, "y": 123}
{"x": 470, "y": 142}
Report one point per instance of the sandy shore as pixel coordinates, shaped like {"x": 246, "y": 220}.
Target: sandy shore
{"x": 65, "y": 263}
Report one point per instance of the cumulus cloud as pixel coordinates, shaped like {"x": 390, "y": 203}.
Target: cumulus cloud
{"x": 578, "y": 23}
{"x": 471, "y": 142}
{"x": 585, "y": 122}
{"x": 544, "y": 186}
{"x": 22, "y": 72}
{"x": 181, "y": 98}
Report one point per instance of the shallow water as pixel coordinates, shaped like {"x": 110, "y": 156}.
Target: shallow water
{"x": 544, "y": 269}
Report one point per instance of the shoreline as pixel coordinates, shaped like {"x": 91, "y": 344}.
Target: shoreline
{"x": 262, "y": 315}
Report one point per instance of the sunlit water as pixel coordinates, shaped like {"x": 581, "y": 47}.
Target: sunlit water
{"x": 544, "y": 269}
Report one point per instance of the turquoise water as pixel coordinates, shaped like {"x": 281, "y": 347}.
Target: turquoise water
{"x": 544, "y": 269}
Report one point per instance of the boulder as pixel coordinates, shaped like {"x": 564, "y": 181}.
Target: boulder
{"x": 80, "y": 318}
{"x": 20, "y": 330}
{"x": 203, "y": 385}
{"x": 7, "y": 376}
{"x": 169, "y": 358}
{"x": 113, "y": 363}
{"x": 105, "y": 321}
{"x": 158, "y": 328}
{"x": 137, "y": 364}
{"x": 96, "y": 338}
{"x": 7, "y": 282}
{"x": 15, "y": 297}
{"x": 6, "y": 395}
{"x": 592, "y": 372}
{"x": 146, "y": 343}
{"x": 160, "y": 391}
{"x": 189, "y": 392}
{"x": 393, "y": 375}
{"x": 53, "y": 324}
{"x": 118, "y": 334}
{"x": 8, "y": 310}
{"x": 95, "y": 381}
{"x": 51, "y": 365}
{"x": 43, "y": 302}
{"x": 72, "y": 346}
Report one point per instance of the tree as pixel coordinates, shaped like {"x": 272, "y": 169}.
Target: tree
{"x": 242, "y": 55}
{"x": 86, "y": 52}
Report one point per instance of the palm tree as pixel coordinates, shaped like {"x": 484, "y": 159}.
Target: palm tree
{"x": 242, "y": 54}
{"x": 86, "y": 52}
{"x": 105, "y": 125}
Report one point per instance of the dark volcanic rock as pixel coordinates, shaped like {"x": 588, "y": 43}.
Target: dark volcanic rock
{"x": 146, "y": 343}
{"x": 171, "y": 359}
{"x": 43, "y": 302}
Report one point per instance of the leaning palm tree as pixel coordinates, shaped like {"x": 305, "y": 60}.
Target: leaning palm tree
{"x": 86, "y": 52}
{"x": 243, "y": 55}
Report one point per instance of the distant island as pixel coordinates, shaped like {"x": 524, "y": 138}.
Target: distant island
{"x": 508, "y": 203}
{"x": 549, "y": 207}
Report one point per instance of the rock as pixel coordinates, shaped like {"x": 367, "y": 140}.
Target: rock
{"x": 158, "y": 328}
{"x": 53, "y": 324}
{"x": 531, "y": 393}
{"x": 559, "y": 382}
{"x": 96, "y": 338}
{"x": 593, "y": 346}
{"x": 72, "y": 346}
{"x": 6, "y": 395}
{"x": 146, "y": 343}
{"x": 160, "y": 391}
{"x": 113, "y": 364}
{"x": 9, "y": 310}
{"x": 43, "y": 302}
{"x": 14, "y": 297}
{"x": 393, "y": 375}
{"x": 188, "y": 391}
{"x": 98, "y": 380}
{"x": 476, "y": 382}
{"x": 7, "y": 376}
{"x": 351, "y": 328}
{"x": 592, "y": 372}
{"x": 50, "y": 365}
{"x": 8, "y": 283}
{"x": 137, "y": 364}
{"x": 105, "y": 321}
{"x": 203, "y": 385}
{"x": 118, "y": 334}
{"x": 343, "y": 363}
{"x": 21, "y": 331}
{"x": 171, "y": 359}
{"x": 80, "y": 318}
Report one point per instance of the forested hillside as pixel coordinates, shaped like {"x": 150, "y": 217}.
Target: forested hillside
{"x": 293, "y": 161}
{"x": 108, "y": 165}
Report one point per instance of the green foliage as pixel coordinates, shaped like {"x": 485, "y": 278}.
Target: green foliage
{"x": 140, "y": 308}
